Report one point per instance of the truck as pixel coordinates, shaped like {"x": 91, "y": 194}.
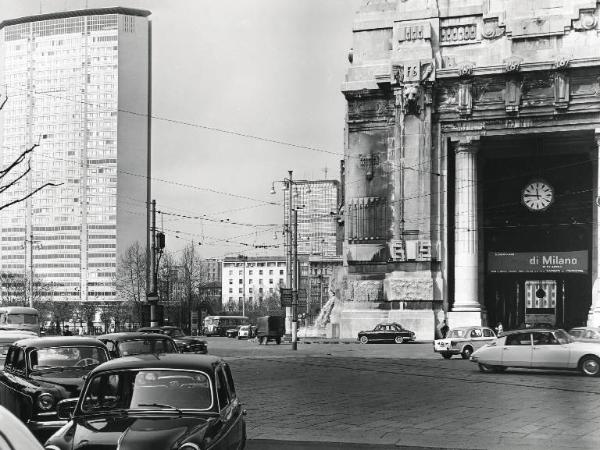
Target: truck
{"x": 270, "y": 328}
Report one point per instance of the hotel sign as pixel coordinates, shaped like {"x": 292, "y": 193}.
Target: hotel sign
{"x": 538, "y": 262}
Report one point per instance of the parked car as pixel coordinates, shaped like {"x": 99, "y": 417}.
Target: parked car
{"x": 186, "y": 344}
{"x": 386, "y": 332}
{"x": 539, "y": 348}
{"x": 585, "y": 334}
{"x": 463, "y": 341}
{"x": 9, "y": 337}
{"x": 232, "y": 332}
{"x": 169, "y": 401}
{"x": 246, "y": 332}
{"x": 128, "y": 344}
{"x": 39, "y": 372}
{"x": 270, "y": 328}
{"x": 15, "y": 434}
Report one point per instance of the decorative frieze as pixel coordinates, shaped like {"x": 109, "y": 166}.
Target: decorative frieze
{"x": 512, "y": 95}
{"x": 409, "y": 289}
{"x": 414, "y": 32}
{"x": 561, "y": 90}
{"x": 465, "y": 98}
{"x": 458, "y": 34}
{"x": 512, "y": 65}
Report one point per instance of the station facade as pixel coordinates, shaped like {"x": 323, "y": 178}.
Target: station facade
{"x": 471, "y": 168}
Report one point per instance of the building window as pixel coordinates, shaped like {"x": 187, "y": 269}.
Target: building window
{"x": 270, "y": 280}
{"x": 260, "y": 281}
{"x": 281, "y": 281}
{"x": 260, "y": 272}
{"x": 271, "y": 272}
{"x": 260, "y": 290}
{"x": 281, "y": 272}
{"x": 231, "y": 290}
{"x": 240, "y": 290}
{"x": 230, "y": 281}
{"x": 241, "y": 281}
{"x": 249, "y": 272}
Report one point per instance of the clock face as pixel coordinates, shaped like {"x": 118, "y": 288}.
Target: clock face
{"x": 537, "y": 195}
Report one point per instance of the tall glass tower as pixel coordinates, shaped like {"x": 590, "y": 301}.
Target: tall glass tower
{"x": 77, "y": 84}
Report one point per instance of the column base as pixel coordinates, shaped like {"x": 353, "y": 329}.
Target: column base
{"x": 466, "y": 318}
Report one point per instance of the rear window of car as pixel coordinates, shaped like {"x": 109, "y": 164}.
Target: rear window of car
{"x": 456, "y": 333}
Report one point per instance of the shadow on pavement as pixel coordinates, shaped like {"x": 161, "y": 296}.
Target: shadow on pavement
{"x": 268, "y": 444}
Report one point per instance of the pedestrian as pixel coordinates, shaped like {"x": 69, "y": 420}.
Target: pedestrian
{"x": 444, "y": 329}
{"x": 499, "y": 328}
{"x": 66, "y": 331}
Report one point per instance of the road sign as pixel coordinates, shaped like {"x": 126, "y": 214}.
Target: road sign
{"x": 151, "y": 297}
{"x": 286, "y": 297}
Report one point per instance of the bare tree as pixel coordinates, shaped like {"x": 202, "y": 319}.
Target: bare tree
{"x": 131, "y": 277}
{"x": 190, "y": 277}
{"x": 15, "y": 172}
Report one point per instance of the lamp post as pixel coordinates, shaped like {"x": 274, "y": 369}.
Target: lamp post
{"x": 293, "y": 273}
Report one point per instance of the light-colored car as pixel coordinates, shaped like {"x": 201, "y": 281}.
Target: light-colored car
{"x": 539, "y": 349}
{"x": 245, "y": 332}
{"x": 585, "y": 334}
{"x": 15, "y": 434}
{"x": 463, "y": 341}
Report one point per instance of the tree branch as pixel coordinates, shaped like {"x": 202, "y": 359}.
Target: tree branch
{"x": 17, "y": 161}
{"x": 28, "y": 195}
{"x": 16, "y": 180}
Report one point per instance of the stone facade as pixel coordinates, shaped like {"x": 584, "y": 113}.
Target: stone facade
{"x": 435, "y": 89}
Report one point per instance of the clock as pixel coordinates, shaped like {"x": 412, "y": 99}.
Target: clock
{"x": 537, "y": 195}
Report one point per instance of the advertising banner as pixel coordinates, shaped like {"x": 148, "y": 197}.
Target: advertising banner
{"x": 538, "y": 262}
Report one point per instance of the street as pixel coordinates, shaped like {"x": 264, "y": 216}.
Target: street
{"x": 403, "y": 395}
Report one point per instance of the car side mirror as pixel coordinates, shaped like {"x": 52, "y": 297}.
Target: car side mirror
{"x": 65, "y": 408}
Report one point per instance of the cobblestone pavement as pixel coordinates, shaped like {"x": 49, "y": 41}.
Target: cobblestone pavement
{"x": 405, "y": 395}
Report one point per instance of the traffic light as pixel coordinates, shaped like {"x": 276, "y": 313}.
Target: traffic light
{"x": 160, "y": 240}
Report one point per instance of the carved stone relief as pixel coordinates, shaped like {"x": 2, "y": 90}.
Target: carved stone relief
{"x": 458, "y": 34}
{"x": 512, "y": 94}
{"x": 409, "y": 289}
{"x": 364, "y": 290}
{"x": 491, "y": 29}
{"x": 588, "y": 20}
{"x": 561, "y": 90}
{"x": 465, "y": 98}
{"x": 512, "y": 64}
{"x": 414, "y": 32}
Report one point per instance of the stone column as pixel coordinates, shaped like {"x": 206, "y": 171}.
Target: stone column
{"x": 467, "y": 309}
{"x": 594, "y": 314}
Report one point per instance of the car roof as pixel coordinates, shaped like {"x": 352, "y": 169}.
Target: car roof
{"x": 531, "y": 330}
{"x": 186, "y": 361}
{"x": 468, "y": 328}
{"x": 128, "y": 336}
{"x": 55, "y": 341}
{"x": 14, "y": 336}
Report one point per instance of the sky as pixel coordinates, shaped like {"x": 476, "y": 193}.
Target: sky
{"x": 271, "y": 69}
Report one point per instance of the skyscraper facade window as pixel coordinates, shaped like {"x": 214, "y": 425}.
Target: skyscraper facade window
{"x": 77, "y": 84}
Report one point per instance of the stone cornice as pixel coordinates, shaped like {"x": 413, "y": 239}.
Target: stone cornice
{"x": 454, "y": 72}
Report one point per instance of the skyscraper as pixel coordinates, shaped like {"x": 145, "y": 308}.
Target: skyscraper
{"x": 78, "y": 85}
{"x": 317, "y": 204}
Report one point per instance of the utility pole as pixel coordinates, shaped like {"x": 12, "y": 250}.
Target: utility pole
{"x": 296, "y": 284}
{"x": 244, "y": 290}
{"x": 28, "y": 275}
{"x": 152, "y": 296}
{"x": 288, "y": 234}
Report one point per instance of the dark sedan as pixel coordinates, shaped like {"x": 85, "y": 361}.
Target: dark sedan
{"x": 39, "y": 372}
{"x": 129, "y": 344}
{"x": 186, "y": 344}
{"x": 386, "y": 332}
{"x": 183, "y": 402}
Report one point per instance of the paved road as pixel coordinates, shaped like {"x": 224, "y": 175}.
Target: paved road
{"x": 404, "y": 395}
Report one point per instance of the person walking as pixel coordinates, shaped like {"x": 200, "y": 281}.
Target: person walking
{"x": 499, "y": 328}
{"x": 444, "y": 329}
{"x": 66, "y": 331}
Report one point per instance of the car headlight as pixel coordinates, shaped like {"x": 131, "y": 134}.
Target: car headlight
{"x": 45, "y": 401}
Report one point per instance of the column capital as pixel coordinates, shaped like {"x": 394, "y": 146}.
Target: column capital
{"x": 466, "y": 144}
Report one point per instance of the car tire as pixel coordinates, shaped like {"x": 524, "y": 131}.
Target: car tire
{"x": 447, "y": 355}
{"x": 486, "y": 368}
{"x": 278, "y": 340}
{"x": 466, "y": 352}
{"x": 590, "y": 365}
{"x": 399, "y": 340}
{"x": 364, "y": 340}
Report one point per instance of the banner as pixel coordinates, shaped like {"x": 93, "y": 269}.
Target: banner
{"x": 538, "y": 262}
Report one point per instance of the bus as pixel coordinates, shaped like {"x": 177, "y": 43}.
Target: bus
{"x": 19, "y": 318}
{"x": 218, "y": 325}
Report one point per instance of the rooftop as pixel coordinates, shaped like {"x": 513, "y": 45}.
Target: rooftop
{"x": 76, "y": 13}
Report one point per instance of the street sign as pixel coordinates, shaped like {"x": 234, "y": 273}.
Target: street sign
{"x": 151, "y": 297}
{"x": 286, "y": 297}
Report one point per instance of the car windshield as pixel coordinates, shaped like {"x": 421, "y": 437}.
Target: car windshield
{"x": 456, "y": 333}
{"x": 67, "y": 357}
{"x": 147, "y": 389}
{"x": 174, "y": 332}
{"x": 141, "y": 346}
{"x": 563, "y": 337}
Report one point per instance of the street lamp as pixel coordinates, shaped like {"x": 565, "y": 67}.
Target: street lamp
{"x": 293, "y": 274}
